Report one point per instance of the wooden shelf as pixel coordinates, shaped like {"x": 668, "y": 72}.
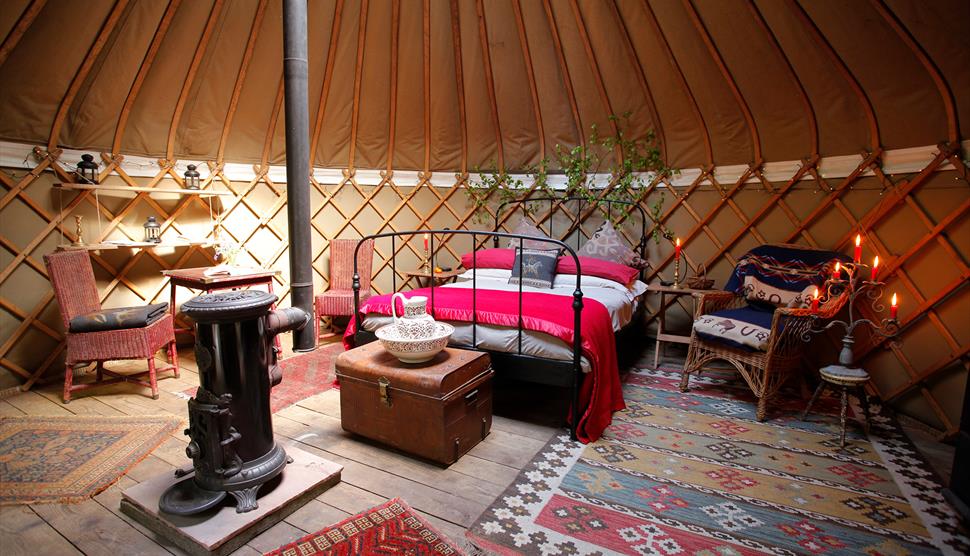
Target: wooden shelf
{"x": 116, "y": 189}
{"x": 131, "y": 245}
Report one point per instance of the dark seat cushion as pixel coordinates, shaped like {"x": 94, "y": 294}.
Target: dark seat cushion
{"x": 118, "y": 318}
{"x": 747, "y": 327}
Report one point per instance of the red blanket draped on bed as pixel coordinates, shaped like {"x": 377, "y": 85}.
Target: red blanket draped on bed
{"x": 600, "y": 392}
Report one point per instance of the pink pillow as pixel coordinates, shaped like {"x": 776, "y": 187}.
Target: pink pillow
{"x": 504, "y": 258}
{"x": 599, "y": 268}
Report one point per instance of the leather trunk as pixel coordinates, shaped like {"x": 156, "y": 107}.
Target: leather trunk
{"x": 437, "y": 410}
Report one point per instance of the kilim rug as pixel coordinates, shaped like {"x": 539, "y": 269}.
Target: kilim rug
{"x": 696, "y": 474}
{"x": 304, "y": 375}
{"x": 391, "y": 528}
{"x": 70, "y": 459}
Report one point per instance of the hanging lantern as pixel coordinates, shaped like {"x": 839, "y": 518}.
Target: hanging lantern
{"x": 153, "y": 231}
{"x": 87, "y": 170}
{"x": 192, "y": 177}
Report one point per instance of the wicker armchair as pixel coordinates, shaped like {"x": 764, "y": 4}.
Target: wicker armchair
{"x": 72, "y": 277}
{"x": 766, "y": 368}
{"x": 338, "y": 300}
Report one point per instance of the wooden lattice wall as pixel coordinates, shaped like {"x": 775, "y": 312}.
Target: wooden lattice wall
{"x": 915, "y": 222}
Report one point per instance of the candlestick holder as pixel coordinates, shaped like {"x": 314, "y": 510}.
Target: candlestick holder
{"x": 677, "y": 273}
{"x": 871, "y": 290}
{"x": 78, "y": 231}
{"x": 425, "y": 260}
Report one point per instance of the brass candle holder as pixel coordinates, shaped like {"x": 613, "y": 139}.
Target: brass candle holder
{"x": 426, "y": 261}
{"x": 78, "y": 231}
{"x": 677, "y": 273}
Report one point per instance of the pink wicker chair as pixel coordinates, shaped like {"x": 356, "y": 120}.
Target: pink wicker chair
{"x": 338, "y": 300}
{"x": 72, "y": 277}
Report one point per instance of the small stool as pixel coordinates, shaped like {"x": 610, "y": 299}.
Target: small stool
{"x": 845, "y": 378}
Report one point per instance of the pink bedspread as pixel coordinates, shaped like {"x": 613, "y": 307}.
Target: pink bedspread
{"x": 600, "y": 393}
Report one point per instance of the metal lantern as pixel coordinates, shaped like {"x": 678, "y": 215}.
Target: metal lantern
{"x": 153, "y": 231}
{"x": 87, "y": 170}
{"x": 192, "y": 177}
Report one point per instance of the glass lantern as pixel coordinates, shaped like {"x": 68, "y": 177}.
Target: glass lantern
{"x": 191, "y": 177}
{"x": 87, "y": 170}
{"x": 153, "y": 231}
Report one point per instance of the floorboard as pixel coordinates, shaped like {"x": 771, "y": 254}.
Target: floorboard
{"x": 450, "y": 499}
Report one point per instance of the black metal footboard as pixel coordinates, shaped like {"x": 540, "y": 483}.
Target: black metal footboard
{"x": 546, "y": 371}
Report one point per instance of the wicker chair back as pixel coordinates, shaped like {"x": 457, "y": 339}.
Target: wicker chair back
{"x": 72, "y": 277}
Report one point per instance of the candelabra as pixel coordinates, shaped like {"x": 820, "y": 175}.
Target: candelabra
{"x": 871, "y": 290}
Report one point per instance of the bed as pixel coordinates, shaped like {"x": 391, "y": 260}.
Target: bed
{"x": 564, "y": 335}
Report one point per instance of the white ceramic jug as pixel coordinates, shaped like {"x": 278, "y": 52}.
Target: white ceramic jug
{"x": 415, "y": 323}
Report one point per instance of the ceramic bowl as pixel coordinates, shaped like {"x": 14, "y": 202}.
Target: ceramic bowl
{"x": 414, "y": 351}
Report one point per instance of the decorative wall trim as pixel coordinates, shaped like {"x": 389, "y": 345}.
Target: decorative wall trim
{"x": 896, "y": 161}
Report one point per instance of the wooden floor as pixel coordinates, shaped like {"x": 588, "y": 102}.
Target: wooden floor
{"x": 451, "y": 499}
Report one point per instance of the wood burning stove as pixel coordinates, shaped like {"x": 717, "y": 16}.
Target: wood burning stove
{"x": 230, "y": 423}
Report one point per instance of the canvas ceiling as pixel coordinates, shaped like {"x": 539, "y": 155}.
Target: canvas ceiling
{"x": 451, "y": 85}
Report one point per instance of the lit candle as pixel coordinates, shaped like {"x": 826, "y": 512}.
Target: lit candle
{"x": 858, "y": 249}
{"x": 837, "y": 272}
{"x": 815, "y": 301}
{"x": 677, "y": 249}
{"x": 425, "y": 242}
{"x": 893, "y": 308}
{"x": 875, "y": 265}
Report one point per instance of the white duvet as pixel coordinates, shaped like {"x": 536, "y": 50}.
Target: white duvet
{"x": 620, "y": 300}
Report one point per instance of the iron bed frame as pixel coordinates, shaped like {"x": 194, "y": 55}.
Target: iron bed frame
{"x": 530, "y": 368}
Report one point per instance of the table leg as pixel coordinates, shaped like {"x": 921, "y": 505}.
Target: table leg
{"x": 660, "y": 330}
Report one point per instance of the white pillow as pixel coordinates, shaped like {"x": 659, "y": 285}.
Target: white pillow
{"x": 526, "y": 227}
{"x": 608, "y": 245}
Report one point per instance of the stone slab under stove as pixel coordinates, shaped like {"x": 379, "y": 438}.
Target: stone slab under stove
{"x": 221, "y": 530}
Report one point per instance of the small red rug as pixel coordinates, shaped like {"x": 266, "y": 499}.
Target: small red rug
{"x": 391, "y": 528}
{"x": 304, "y": 375}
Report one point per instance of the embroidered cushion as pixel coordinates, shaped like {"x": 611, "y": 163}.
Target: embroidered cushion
{"x": 118, "y": 318}
{"x": 607, "y": 244}
{"x": 781, "y": 275}
{"x": 526, "y": 227}
{"x": 536, "y": 267}
{"x": 747, "y": 328}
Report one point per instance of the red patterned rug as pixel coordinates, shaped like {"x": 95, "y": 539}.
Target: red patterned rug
{"x": 304, "y": 375}
{"x": 51, "y": 459}
{"x": 391, "y": 528}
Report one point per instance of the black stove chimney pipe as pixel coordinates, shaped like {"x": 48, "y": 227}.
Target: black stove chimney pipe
{"x": 298, "y": 164}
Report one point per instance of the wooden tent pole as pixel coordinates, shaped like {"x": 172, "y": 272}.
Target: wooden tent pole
{"x": 297, "y": 107}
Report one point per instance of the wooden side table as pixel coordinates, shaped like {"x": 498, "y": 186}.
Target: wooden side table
{"x": 662, "y": 335}
{"x": 439, "y": 277}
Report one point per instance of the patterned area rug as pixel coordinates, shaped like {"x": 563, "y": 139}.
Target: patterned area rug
{"x": 70, "y": 459}
{"x": 391, "y": 528}
{"x": 695, "y": 473}
{"x": 304, "y": 375}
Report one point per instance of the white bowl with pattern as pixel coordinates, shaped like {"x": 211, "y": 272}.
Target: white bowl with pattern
{"x": 411, "y": 350}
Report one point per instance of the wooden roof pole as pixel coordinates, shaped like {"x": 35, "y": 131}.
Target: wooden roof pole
{"x": 392, "y": 96}
{"x": 146, "y": 64}
{"x": 598, "y": 77}
{"x": 658, "y": 32}
{"x": 533, "y": 89}
{"x": 358, "y": 70}
{"x": 113, "y": 17}
{"x": 641, "y": 78}
{"x": 24, "y": 22}
{"x": 719, "y": 60}
{"x": 459, "y": 81}
{"x": 271, "y": 127}
{"x": 564, "y": 69}
{"x": 946, "y": 95}
{"x": 240, "y": 79}
{"x": 190, "y": 77}
{"x": 327, "y": 80}
{"x": 874, "y": 143}
{"x": 490, "y": 83}
{"x": 426, "y": 62}
{"x": 806, "y": 102}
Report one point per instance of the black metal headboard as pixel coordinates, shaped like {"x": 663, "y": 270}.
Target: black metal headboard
{"x": 640, "y": 247}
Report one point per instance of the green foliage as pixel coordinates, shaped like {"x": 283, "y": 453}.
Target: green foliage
{"x": 626, "y": 159}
